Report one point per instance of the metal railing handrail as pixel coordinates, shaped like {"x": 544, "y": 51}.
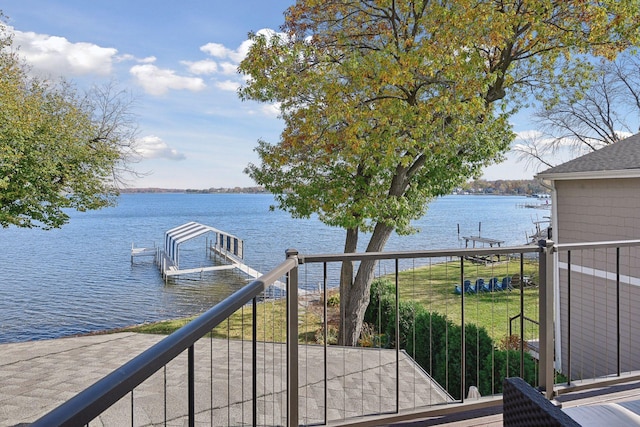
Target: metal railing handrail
{"x": 608, "y": 244}
{"x": 464, "y": 252}
{"x": 91, "y": 402}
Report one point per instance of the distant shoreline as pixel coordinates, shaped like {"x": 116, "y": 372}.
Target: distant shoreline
{"x": 234, "y": 190}
{"x": 479, "y": 187}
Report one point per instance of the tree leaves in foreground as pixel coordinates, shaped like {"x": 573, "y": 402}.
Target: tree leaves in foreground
{"x": 388, "y": 104}
{"x": 58, "y": 149}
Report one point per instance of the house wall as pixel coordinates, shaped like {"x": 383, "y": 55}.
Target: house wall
{"x": 591, "y": 211}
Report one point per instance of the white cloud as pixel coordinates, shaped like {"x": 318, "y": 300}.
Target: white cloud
{"x": 58, "y": 56}
{"x": 158, "y": 81}
{"x": 153, "y": 147}
{"x": 129, "y": 57}
{"x": 216, "y": 50}
{"x": 228, "y": 68}
{"x": 220, "y": 51}
{"x": 271, "y": 110}
{"x": 228, "y": 85}
{"x": 206, "y": 66}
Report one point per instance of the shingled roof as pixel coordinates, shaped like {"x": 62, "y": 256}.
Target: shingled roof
{"x": 619, "y": 159}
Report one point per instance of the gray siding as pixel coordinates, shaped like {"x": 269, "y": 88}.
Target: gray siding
{"x": 590, "y": 211}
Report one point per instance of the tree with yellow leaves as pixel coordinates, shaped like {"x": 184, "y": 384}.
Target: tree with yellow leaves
{"x": 388, "y": 104}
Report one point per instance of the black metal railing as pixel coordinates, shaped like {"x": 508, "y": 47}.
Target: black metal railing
{"x": 92, "y": 402}
{"x": 596, "y": 336}
{"x": 424, "y": 359}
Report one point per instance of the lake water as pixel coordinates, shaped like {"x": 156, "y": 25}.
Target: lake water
{"x": 80, "y": 278}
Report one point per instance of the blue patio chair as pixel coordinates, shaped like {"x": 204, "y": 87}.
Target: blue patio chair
{"x": 468, "y": 288}
{"x": 493, "y": 285}
{"x": 480, "y": 286}
{"x": 506, "y": 284}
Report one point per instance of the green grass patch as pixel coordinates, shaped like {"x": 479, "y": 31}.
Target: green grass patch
{"x": 433, "y": 287}
{"x": 270, "y": 319}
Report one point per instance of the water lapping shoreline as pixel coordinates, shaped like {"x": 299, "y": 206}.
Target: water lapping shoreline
{"x": 79, "y": 279}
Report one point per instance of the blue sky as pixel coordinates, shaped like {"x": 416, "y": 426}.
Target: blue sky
{"x": 179, "y": 61}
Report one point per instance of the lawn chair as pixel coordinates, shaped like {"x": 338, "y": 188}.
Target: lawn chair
{"x": 479, "y": 286}
{"x": 493, "y": 285}
{"x": 468, "y": 288}
{"x": 506, "y": 284}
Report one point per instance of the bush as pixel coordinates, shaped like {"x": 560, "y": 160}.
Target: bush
{"x": 448, "y": 360}
{"x": 506, "y": 363}
{"x": 333, "y": 300}
{"x": 435, "y": 344}
{"x": 382, "y": 303}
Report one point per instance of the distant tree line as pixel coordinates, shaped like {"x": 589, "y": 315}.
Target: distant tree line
{"x": 505, "y": 187}
{"x": 250, "y": 190}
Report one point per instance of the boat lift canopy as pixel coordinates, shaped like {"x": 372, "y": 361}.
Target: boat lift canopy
{"x": 173, "y": 238}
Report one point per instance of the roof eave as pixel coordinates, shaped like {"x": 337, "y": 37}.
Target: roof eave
{"x": 607, "y": 174}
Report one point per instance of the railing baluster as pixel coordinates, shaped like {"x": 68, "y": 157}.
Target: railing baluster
{"x": 397, "y": 337}
{"x": 463, "y": 347}
{"x": 325, "y": 337}
{"x": 568, "y": 317}
{"x": 618, "y": 308}
{"x": 192, "y": 386}
{"x": 522, "y": 338}
{"x": 132, "y": 408}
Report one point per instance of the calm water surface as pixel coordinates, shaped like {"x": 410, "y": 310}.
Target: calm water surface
{"x": 80, "y": 278}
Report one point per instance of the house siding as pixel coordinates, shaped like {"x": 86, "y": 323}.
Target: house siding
{"x": 592, "y": 211}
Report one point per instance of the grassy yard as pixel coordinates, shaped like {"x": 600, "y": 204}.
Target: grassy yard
{"x": 432, "y": 286}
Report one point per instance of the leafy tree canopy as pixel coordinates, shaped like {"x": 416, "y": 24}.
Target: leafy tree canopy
{"x": 387, "y": 104}
{"x": 58, "y": 149}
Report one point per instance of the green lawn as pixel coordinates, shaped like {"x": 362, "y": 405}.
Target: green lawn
{"x": 432, "y": 286}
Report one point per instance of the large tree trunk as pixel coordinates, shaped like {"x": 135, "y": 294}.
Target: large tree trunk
{"x": 354, "y": 295}
{"x": 346, "y": 278}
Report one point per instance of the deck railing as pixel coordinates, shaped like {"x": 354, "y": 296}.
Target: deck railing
{"x": 257, "y": 360}
{"x": 598, "y": 288}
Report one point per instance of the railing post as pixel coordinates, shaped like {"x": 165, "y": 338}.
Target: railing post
{"x": 292, "y": 341}
{"x": 546, "y": 270}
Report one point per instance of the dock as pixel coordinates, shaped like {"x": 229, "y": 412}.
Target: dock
{"x": 229, "y": 248}
{"x": 138, "y": 252}
{"x": 475, "y": 242}
{"x": 481, "y": 242}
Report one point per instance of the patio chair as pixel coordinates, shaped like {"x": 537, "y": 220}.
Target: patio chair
{"x": 479, "y": 285}
{"x": 468, "y": 288}
{"x": 525, "y": 406}
{"x": 506, "y": 284}
{"x": 493, "y": 285}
